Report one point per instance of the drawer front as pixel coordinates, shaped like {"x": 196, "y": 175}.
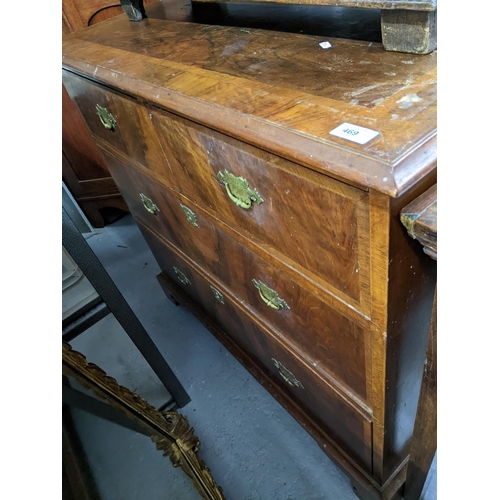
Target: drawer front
{"x": 332, "y": 342}
{"x": 316, "y": 223}
{"x": 130, "y": 130}
{"x": 181, "y": 273}
{"x": 145, "y": 198}
{"x": 328, "y": 339}
{"x": 341, "y": 419}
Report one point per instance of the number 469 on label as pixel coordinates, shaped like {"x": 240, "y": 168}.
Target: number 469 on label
{"x": 355, "y": 133}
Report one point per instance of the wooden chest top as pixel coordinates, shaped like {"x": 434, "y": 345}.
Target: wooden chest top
{"x": 279, "y": 91}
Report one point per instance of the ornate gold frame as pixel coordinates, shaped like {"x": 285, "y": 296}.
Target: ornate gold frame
{"x": 170, "y": 431}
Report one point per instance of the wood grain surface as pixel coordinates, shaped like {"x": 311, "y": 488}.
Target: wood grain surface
{"x": 195, "y": 102}
{"x": 244, "y": 82}
{"x": 420, "y": 220}
{"x": 337, "y": 415}
{"x": 132, "y": 133}
{"x": 332, "y": 342}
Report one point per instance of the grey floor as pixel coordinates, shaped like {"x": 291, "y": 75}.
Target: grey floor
{"x": 254, "y": 448}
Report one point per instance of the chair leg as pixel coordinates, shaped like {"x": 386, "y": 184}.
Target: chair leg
{"x": 90, "y": 265}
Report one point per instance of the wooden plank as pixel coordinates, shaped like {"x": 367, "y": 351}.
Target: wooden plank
{"x": 410, "y": 31}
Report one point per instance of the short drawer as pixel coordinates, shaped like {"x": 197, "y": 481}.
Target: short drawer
{"x": 339, "y": 417}
{"x": 119, "y": 121}
{"x": 183, "y": 275}
{"x": 144, "y": 197}
{"x": 311, "y": 222}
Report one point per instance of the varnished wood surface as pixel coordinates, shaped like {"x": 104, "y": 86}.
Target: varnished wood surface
{"x": 420, "y": 219}
{"x": 244, "y": 82}
{"x": 402, "y": 285}
{"x": 132, "y": 133}
{"x": 176, "y": 293}
{"x": 326, "y": 239}
{"x": 335, "y": 344}
{"x": 83, "y": 169}
{"x": 340, "y": 74}
{"x": 132, "y": 183}
{"x": 78, "y": 146}
{"x": 367, "y": 329}
{"x": 332, "y": 245}
{"x": 340, "y": 418}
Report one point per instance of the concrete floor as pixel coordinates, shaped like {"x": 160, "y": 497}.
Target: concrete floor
{"x": 254, "y": 448}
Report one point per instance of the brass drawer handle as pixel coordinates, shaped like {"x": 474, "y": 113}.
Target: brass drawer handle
{"x": 269, "y": 296}
{"x": 217, "y": 294}
{"x": 190, "y": 215}
{"x": 287, "y": 374}
{"x": 149, "y": 205}
{"x": 107, "y": 119}
{"x": 182, "y": 277}
{"x": 238, "y": 190}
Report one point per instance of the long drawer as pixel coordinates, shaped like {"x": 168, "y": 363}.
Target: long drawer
{"x": 331, "y": 341}
{"x": 341, "y": 419}
{"x": 119, "y": 121}
{"x": 315, "y": 223}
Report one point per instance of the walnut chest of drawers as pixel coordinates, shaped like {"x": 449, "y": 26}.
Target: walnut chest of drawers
{"x": 284, "y": 239}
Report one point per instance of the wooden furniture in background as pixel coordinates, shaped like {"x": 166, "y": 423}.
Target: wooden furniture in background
{"x": 80, "y": 14}
{"x": 407, "y": 25}
{"x": 420, "y": 219}
{"x": 284, "y": 239}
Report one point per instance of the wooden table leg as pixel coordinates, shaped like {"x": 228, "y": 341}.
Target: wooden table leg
{"x": 425, "y": 432}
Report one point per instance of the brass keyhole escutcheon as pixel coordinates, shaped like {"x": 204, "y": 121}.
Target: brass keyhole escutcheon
{"x": 287, "y": 374}
{"x": 269, "y": 296}
{"x": 107, "y": 119}
{"x": 217, "y": 294}
{"x": 149, "y": 205}
{"x": 182, "y": 277}
{"x": 239, "y": 191}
